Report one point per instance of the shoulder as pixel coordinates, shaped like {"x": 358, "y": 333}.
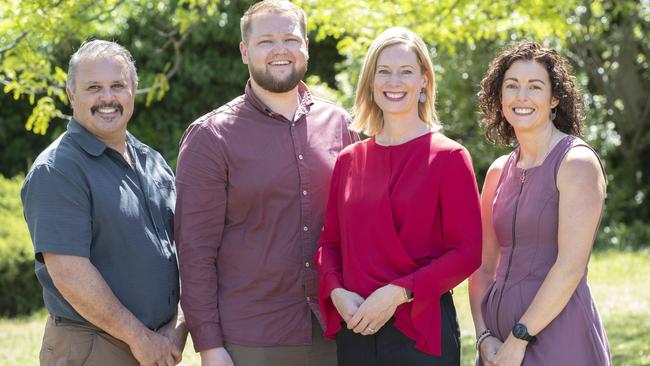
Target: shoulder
{"x": 324, "y": 106}
{"x": 355, "y": 149}
{"x": 579, "y": 162}
{"x": 217, "y": 118}
{"x": 63, "y": 155}
{"x": 151, "y": 154}
{"x": 498, "y": 165}
{"x": 451, "y": 152}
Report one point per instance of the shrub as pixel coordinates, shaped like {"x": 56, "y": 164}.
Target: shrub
{"x": 20, "y": 291}
{"x": 622, "y": 236}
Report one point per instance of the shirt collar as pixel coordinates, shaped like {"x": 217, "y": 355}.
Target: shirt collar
{"x": 94, "y": 146}
{"x": 89, "y": 142}
{"x": 306, "y": 101}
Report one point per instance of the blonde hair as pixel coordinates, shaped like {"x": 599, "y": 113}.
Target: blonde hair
{"x": 283, "y": 7}
{"x": 368, "y": 117}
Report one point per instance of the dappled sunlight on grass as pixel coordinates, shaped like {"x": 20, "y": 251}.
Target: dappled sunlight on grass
{"x": 619, "y": 282}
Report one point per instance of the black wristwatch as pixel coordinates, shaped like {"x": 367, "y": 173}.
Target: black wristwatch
{"x": 520, "y": 331}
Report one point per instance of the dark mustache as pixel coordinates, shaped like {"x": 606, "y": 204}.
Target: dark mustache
{"x": 96, "y": 107}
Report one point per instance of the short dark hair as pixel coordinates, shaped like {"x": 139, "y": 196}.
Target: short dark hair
{"x": 272, "y": 7}
{"x": 569, "y": 111}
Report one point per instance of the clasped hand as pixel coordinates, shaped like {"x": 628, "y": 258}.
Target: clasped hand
{"x": 509, "y": 353}
{"x": 367, "y": 316}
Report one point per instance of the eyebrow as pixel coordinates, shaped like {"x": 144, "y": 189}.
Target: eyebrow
{"x": 93, "y": 82}
{"x": 282, "y": 35}
{"x": 401, "y": 66}
{"x": 531, "y": 80}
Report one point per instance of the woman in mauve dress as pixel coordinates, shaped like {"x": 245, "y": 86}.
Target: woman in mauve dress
{"x": 402, "y": 226}
{"x": 541, "y": 206}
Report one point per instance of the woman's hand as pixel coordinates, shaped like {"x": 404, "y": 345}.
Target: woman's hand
{"x": 346, "y": 302}
{"x": 488, "y": 350}
{"x": 377, "y": 309}
{"x": 511, "y": 352}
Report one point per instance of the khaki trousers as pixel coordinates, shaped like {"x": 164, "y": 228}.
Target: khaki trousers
{"x": 71, "y": 344}
{"x": 322, "y": 352}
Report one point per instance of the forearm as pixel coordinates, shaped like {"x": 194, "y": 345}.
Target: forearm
{"x": 551, "y": 298}
{"x": 86, "y": 290}
{"x": 478, "y": 284}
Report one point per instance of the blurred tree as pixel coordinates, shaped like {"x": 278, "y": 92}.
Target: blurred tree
{"x": 188, "y": 62}
{"x": 609, "y": 44}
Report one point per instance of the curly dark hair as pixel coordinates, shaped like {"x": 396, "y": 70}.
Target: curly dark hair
{"x": 569, "y": 111}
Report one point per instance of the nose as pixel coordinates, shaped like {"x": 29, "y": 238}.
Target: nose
{"x": 522, "y": 93}
{"x": 279, "y": 47}
{"x": 107, "y": 94}
{"x": 394, "y": 78}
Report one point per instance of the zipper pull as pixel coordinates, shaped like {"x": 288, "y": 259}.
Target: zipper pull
{"x": 523, "y": 177}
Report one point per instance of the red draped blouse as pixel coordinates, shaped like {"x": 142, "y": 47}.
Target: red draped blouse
{"x": 408, "y": 215}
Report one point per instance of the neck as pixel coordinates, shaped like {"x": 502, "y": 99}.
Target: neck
{"x": 285, "y": 104}
{"x": 116, "y": 144}
{"x": 400, "y": 130}
{"x": 534, "y": 146}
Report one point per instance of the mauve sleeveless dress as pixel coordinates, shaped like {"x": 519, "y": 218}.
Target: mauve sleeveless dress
{"x": 525, "y": 218}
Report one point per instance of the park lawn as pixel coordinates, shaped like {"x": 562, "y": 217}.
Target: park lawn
{"x": 619, "y": 283}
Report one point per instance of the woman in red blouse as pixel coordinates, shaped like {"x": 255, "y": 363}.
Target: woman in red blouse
{"x": 403, "y": 224}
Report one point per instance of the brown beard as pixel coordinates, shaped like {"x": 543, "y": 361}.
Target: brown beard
{"x": 264, "y": 79}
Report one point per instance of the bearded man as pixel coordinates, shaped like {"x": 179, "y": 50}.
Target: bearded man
{"x": 252, "y": 183}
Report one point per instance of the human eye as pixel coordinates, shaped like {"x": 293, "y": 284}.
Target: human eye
{"x": 93, "y": 87}
{"x": 118, "y": 86}
{"x": 536, "y": 87}
{"x": 407, "y": 71}
{"x": 510, "y": 86}
{"x": 264, "y": 42}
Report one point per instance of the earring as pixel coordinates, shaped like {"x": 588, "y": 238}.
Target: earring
{"x": 423, "y": 97}
{"x": 553, "y": 114}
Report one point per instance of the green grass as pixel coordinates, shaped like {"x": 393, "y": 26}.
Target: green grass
{"x": 619, "y": 283}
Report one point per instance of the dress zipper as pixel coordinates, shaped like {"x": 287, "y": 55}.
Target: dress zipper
{"x": 514, "y": 244}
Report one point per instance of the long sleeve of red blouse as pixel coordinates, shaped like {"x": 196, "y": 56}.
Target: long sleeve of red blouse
{"x": 407, "y": 215}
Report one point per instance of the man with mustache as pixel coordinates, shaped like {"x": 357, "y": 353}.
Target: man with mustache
{"x": 252, "y": 183}
{"x": 99, "y": 205}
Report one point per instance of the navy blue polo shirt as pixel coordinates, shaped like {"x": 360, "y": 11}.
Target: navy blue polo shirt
{"x": 81, "y": 198}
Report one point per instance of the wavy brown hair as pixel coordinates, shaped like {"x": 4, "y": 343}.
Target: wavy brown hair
{"x": 569, "y": 111}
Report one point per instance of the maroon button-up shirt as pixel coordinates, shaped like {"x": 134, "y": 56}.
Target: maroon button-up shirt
{"x": 251, "y": 193}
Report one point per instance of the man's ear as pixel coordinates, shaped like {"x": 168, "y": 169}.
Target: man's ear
{"x": 243, "y": 49}
{"x": 70, "y": 94}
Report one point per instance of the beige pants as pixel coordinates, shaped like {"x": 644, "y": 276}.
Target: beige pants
{"x": 322, "y": 352}
{"x": 71, "y": 344}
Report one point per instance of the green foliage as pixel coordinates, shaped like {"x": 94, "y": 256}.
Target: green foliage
{"x": 622, "y": 236}
{"x": 21, "y": 292}
{"x": 189, "y": 63}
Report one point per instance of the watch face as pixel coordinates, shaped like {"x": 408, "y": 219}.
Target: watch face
{"x": 519, "y": 331}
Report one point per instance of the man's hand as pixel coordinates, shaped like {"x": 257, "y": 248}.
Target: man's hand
{"x": 346, "y": 302}
{"x": 151, "y": 348}
{"x": 216, "y": 357}
{"x": 377, "y": 309}
{"x": 176, "y": 332}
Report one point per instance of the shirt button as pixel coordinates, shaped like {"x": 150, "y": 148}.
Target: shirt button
{"x": 307, "y": 264}
{"x": 300, "y": 156}
{"x": 305, "y": 228}
{"x": 304, "y": 193}
{"x": 308, "y": 299}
